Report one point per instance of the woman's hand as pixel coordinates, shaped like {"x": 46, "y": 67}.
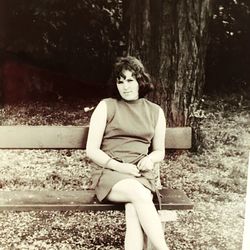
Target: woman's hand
{"x": 129, "y": 168}
{"x": 145, "y": 164}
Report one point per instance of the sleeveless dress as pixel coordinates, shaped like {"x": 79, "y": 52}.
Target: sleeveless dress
{"x": 127, "y": 138}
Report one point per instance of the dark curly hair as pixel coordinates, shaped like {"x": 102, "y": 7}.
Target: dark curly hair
{"x": 138, "y": 71}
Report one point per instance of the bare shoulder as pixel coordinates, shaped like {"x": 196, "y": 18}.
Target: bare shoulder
{"x": 100, "y": 111}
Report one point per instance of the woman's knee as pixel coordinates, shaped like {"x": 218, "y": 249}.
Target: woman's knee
{"x": 130, "y": 190}
{"x": 137, "y": 192}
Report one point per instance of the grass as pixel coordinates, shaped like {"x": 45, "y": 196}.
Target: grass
{"x": 214, "y": 177}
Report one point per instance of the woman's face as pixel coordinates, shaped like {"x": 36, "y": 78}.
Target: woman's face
{"x": 128, "y": 86}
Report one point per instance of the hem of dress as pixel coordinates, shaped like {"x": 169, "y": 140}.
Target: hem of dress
{"x": 102, "y": 196}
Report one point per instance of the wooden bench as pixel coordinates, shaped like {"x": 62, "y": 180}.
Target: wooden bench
{"x": 74, "y": 137}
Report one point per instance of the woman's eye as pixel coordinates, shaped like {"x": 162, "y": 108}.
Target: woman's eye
{"x": 125, "y": 80}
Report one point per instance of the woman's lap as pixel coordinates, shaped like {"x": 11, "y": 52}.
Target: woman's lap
{"x": 110, "y": 178}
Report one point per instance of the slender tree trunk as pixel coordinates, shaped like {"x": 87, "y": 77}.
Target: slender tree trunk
{"x": 171, "y": 38}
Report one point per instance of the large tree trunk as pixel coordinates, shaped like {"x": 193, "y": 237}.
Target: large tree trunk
{"x": 171, "y": 38}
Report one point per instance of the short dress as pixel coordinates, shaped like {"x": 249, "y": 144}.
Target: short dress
{"x": 127, "y": 138}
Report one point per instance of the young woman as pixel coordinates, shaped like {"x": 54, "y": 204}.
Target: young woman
{"x": 126, "y": 138}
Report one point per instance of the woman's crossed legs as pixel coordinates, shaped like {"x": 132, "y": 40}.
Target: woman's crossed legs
{"x": 141, "y": 214}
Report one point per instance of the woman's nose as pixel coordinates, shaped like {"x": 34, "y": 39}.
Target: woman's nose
{"x": 126, "y": 84}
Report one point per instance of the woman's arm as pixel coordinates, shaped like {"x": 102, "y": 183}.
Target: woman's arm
{"x": 158, "y": 142}
{"x": 95, "y": 135}
{"x": 96, "y": 131}
{"x": 158, "y": 145}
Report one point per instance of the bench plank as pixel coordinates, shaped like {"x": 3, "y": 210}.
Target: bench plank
{"x": 74, "y": 137}
{"x": 178, "y": 138}
{"x": 39, "y": 137}
{"x": 79, "y": 200}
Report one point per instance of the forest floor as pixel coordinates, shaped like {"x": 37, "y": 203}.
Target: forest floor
{"x": 214, "y": 177}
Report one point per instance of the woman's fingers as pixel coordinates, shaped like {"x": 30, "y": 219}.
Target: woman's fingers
{"x": 145, "y": 164}
{"x": 135, "y": 171}
{"x": 131, "y": 169}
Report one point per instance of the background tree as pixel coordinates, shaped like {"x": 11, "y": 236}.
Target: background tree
{"x": 74, "y": 37}
{"x": 171, "y": 37}
{"x": 228, "y": 57}
{"x": 82, "y": 37}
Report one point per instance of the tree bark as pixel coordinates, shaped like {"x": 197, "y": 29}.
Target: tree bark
{"x": 171, "y": 38}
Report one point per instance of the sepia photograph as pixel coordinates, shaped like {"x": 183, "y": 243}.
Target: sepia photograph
{"x": 124, "y": 124}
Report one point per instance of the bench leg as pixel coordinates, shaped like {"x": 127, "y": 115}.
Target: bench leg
{"x": 165, "y": 216}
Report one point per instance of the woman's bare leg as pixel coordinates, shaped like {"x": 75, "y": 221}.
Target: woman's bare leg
{"x": 134, "y": 232}
{"x": 130, "y": 190}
